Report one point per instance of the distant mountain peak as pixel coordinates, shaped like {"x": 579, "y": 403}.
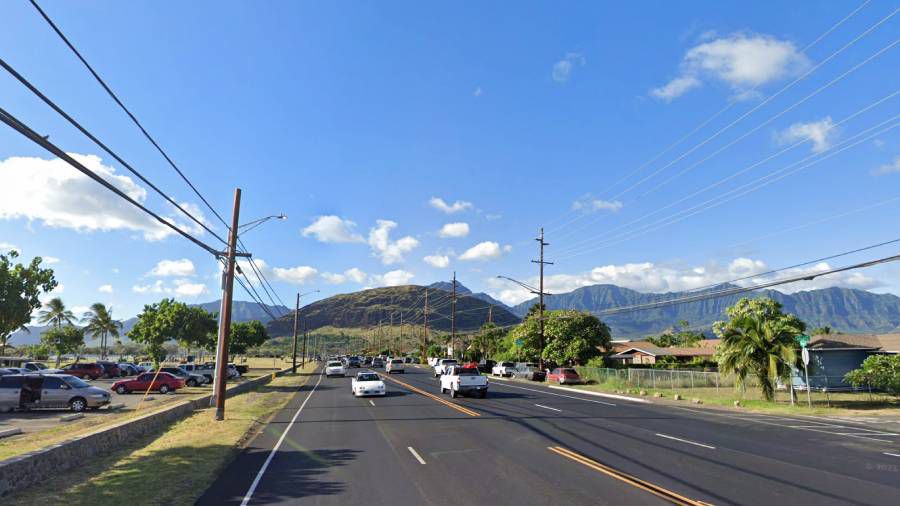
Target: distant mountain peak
{"x": 447, "y": 286}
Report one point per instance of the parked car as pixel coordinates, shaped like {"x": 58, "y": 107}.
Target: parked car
{"x": 504, "y": 369}
{"x": 395, "y": 365}
{"x": 442, "y": 365}
{"x": 335, "y": 368}
{"x": 367, "y": 383}
{"x": 4, "y": 371}
{"x": 367, "y": 361}
{"x": 565, "y": 376}
{"x": 190, "y": 379}
{"x": 486, "y": 366}
{"x": 32, "y": 391}
{"x": 163, "y": 383}
{"x": 84, "y": 370}
{"x": 377, "y": 362}
{"x": 462, "y": 381}
{"x": 40, "y": 368}
{"x": 529, "y": 371}
{"x": 129, "y": 369}
{"x": 146, "y": 366}
{"x": 110, "y": 369}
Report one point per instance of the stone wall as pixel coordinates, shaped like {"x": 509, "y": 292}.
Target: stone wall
{"x": 20, "y": 472}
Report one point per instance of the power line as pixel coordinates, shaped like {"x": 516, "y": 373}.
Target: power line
{"x": 103, "y": 146}
{"x": 115, "y": 98}
{"x": 27, "y": 132}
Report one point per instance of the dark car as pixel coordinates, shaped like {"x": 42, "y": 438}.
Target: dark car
{"x": 353, "y": 362}
{"x": 85, "y": 370}
{"x": 377, "y": 362}
{"x": 485, "y": 366}
{"x": 164, "y": 383}
{"x": 110, "y": 369}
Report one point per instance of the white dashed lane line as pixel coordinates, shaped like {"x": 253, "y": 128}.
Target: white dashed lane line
{"x": 371, "y": 402}
{"x": 548, "y": 407}
{"x": 416, "y": 455}
{"x": 673, "y": 438}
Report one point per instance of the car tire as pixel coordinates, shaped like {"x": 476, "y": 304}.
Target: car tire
{"x": 78, "y": 404}
{"x": 191, "y": 382}
{"x": 483, "y": 394}
{"x": 164, "y": 389}
{"x": 453, "y": 393}
{"x": 443, "y": 390}
{"x": 121, "y": 390}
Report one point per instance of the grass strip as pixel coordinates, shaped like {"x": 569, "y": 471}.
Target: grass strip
{"x": 174, "y": 467}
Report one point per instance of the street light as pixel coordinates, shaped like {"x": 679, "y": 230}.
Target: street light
{"x": 255, "y": 223}
{"x": 296, "y": 321}
{"x": 540, "y": 294}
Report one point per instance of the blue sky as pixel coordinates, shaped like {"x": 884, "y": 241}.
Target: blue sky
{"x": 365, "y": 113}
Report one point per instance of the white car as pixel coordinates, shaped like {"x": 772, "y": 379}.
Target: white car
{"x": 504, "y": 369}
{"x": 335, "y": 368}
{"x": 367, "y": 383}
{"x": 442, "y": 365}
{"x": 394, "y": 365}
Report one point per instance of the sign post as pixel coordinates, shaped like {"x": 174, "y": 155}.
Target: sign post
{"x": 804, "y": 340}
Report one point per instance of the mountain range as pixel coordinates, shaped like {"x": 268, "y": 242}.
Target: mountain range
{"x": 843, "y": 309}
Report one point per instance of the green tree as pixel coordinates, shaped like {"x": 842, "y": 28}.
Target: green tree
{"x": 99, "y": 322}
{"x": 679, "y": 336}
{"x": 487, "y": 341}
{"x": 758, "y": 340}
{"x": 246, "y": 335}
{"x": 55, "y": 313}
{"x": 20, "y": 289}
{"x": 196, "y": 327}
{"x": 881, "y": 372}
{"x": 63, "y": 340}
{"x": 155, "y": 326}
{"x": 570, "y": 337}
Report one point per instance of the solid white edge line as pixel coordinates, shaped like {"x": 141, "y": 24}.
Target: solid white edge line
{"x": 548, "y": 407}
{"x": 686, "y": 441}
{"x": 600, "y": 394}
{"x": 892, "y": 454}
{"x": 265, "y": 465}
{"x": 559, "y": 395}
{"x": 416, "y": 455}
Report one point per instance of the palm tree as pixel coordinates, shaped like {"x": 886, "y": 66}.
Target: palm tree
{"x": 759, "y": 343}
{"x": 56, "y": 313}
{"x": 100, "y": 323}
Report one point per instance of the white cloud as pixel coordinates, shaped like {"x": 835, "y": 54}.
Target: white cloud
{"x": 454, "y": 230}
{"x": 5, "y": 247}
{"x": 562, "y": 69}
{"x": 819, "y": 133}
{"x": 51, "y": 260}
{"x": 390, "y": 252}
{"x": 181, "y": 268}
{"x": 486, "y": 250}
{"x": 297, "y": 275}
{"x": 742, "y": 61}
{"x": 392, "y": 278}
{"x": 439, "y": 204}
{"x": 888, "y": 168}
{"x": 333, "y": 229}
{"x": 105, "y": 289}
{"x": 157, "y": 287}
{"x": 185, "y": 288}
{"x": 588, "y": 204}
{"x": 354, "y": 274}
{"x": 78, "y": 311}
{"x": 56, "y": 194}
{"x": 478, "y": 91}
{"x": 439, "y": 261}
{"x": 181, "y": 288}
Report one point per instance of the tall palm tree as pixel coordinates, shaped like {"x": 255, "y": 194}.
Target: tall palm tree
{"x": 55, "y": 313}
{"x": 762, "y": 347}
{"x": 100, "y": 323}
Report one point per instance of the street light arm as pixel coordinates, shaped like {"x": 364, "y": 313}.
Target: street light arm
{"x": 255, "y": 223}
{"x": 526, "y": 286}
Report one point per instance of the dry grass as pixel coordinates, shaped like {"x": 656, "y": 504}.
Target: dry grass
{"x": 174, "y": 467}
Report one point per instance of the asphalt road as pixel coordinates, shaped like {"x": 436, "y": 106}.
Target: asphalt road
{"x": 531, "y": 444}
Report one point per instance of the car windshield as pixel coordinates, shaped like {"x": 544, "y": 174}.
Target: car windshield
{"x": 570, "y": 372}
{"x": 334, "y": 364}
{"x": 38, "y": 365}
{"x": 76, "y": 382}
{"x": 469, "y": 371}
{"x": 396, "y": 361}
{"x": 367, "y": 377}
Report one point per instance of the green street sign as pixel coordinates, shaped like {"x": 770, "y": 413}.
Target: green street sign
{"x": 802, "y": 340}
{"x": 519, "y": 343}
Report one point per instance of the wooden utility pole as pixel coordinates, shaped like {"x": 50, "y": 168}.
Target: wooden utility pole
{"x": 305, "y": 338}
{"x": 296, "y": 317}
{"x": 400, "y": 343}
{"x": 425, "y": 328}
{"x": 541, "y": 264}
{"x": 453, "y": 316}
{"x": 225, "y": 317}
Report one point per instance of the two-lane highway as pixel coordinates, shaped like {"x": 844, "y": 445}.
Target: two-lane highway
{"x": 531, "y": 444}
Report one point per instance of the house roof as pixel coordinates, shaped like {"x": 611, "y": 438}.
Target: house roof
{"x": 889, "y": 343}
{"x": 705, "y": 348}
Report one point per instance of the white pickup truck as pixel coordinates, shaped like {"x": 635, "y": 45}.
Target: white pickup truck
{"x": 463, "y": 380}
{"x": 441, "y": 366}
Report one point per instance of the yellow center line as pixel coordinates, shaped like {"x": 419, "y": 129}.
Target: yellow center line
{"x": 432, "y": 396}
{"x": 656, "y": 490}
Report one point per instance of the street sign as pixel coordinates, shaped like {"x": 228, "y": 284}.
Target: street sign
{"x": 805, "y": 356}
{"x": 519, "y": 343}
{"x": 802, "y": 340}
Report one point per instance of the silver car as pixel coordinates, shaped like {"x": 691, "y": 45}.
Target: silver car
{"x": 61, "y": 391}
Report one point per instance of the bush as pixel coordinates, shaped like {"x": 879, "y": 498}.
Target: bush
{"x": 881, "y": 372}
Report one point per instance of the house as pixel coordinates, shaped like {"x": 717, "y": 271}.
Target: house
{"x": 645, "y": 352}
{"x": 831, "y": 356}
